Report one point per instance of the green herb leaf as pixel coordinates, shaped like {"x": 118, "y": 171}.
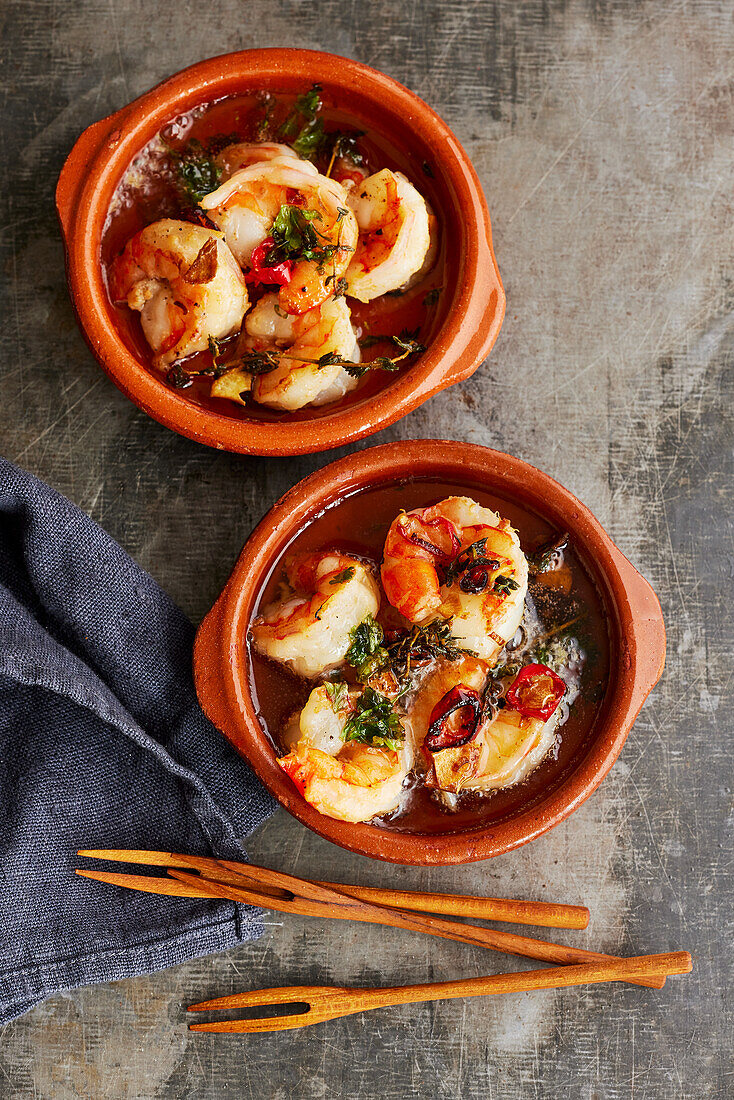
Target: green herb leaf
{"x": 366, "y": 654}
{"x": 374, "y": 722}
{"x": 310, "y": 139}
{"x": 306, "y": 106}
{"x": 344, "y": 576}
{"x": 296, "y": 238}
{"x": 198, "y": 175}
{"x": 338, "y": 694}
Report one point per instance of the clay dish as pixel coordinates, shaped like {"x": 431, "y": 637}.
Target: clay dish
{"x": 630, "y": 612}
{"x": 471, "y": 307}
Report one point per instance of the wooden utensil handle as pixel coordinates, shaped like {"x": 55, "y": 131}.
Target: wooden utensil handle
{"x": 329, "y": 1003}
{"x": 542, "y": 913}
{"x": 496, "y": 939}
{"x": 608, "y": 970}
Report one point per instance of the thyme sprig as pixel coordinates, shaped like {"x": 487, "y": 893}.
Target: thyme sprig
{"x": 408, "y": 345}
{"x": 411, "y": 648}
{"x": 371, "y": 652}
{"x": 504, "y": 586}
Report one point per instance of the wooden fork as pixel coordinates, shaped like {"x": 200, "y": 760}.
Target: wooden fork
{"x": 288, "y": 894}
{"x": 324, "y": 1002}
{"x": 540, "y": 913}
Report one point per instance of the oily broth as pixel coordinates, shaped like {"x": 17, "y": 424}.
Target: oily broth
{"x": 358, "y": 525}
{"x": 148, "y": 192}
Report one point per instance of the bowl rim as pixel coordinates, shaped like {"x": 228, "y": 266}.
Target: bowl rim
{"x": 106, "y": 148}
{"x": 220, "y": 655}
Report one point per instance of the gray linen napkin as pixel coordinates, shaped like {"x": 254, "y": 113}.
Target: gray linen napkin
{"x": 102, "y": 745}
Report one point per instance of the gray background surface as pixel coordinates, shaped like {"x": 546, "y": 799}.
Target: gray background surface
{"x": 602, "y": 133}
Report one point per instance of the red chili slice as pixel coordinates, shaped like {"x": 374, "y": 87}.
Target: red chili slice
{"x": 260, "y": 272}
{"x": 535, "y": 692}
{"x": 462, "y": 699}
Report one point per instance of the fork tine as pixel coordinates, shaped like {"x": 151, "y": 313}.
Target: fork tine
{"x": 265, "y": 1023}
{"x": 322, "y": 1003}
{"x": 151, "y": 859}
{"x": 253, "y": 998}
{"x": 150, "y": 885}
{"x": 262, "y": 880}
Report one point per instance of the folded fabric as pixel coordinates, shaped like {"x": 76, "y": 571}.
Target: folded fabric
{"x": 102, "y": 745}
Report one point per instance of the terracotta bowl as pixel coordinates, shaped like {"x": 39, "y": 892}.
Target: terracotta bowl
{"x": 471, "y": 307}
{"x": 632, "y": 612}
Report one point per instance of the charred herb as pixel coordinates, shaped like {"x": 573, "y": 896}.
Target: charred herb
{"x": 471, "y": 568}
{"x": 332, "y": 358}
{"x": 374, "y": 722}
{"x": 432, "y": 296}
{"x": 546, "y": 557}
{"x": 257, "y": 362}
{"x": 180, "y": 379}
{"x": 340, "y": 287}
{"x": 504, "y": 586}
{"x": 344, "y": 146}
{"x": 409, "y": 649}
{"x": 408, "y": 345}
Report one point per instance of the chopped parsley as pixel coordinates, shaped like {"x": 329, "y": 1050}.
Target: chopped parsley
{"x": 374, "y": 722}
{"x": 198, "y": 175}
{"x": 296, "y": 238}
{"x": 338, "y": 694}
{"x": 304, "y": 126}
{"x": 366, "y": 653}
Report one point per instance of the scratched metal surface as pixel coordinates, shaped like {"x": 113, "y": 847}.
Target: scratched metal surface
{"x": 602, "y": 134}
